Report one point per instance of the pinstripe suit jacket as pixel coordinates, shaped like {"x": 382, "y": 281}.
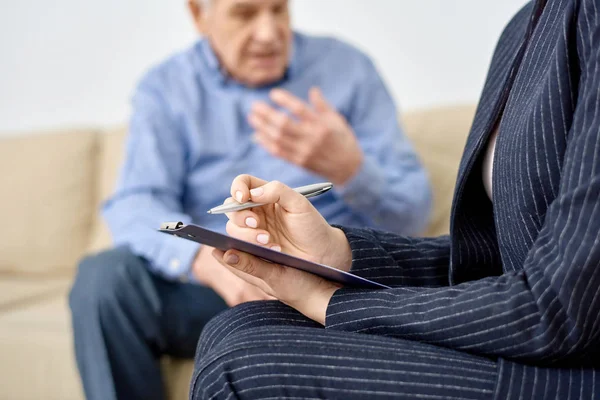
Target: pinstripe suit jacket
{"x": 518, "y": 278}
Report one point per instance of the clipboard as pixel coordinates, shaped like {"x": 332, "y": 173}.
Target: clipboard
{"x": 224, "y": 242}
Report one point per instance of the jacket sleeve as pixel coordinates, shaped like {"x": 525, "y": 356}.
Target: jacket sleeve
{"x": 399, "y": 260}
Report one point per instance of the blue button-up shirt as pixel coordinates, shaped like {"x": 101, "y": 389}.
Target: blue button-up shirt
{"x": 189, "y": 138}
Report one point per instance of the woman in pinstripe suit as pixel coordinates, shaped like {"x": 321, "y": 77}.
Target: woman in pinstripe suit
{"x": 507, "y": 306}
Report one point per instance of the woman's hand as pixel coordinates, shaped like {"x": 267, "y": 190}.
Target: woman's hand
{"x": 230, "y": 287}
{"x": 288, "y": 223}
{"x": 309, "y": 294}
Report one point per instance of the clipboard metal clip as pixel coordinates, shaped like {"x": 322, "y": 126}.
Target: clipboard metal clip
{"x": 171, "y": 225}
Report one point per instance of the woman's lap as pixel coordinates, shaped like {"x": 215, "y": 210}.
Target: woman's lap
{"x": 268, "y": 350}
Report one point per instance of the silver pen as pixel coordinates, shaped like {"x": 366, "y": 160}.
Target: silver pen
{"x": 307, "y": 191}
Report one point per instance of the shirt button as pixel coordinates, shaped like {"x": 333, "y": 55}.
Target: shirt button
{"x": 174, "y": 264}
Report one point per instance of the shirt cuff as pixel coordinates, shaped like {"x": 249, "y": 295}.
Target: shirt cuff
{"x": 175, "y": 261}
{"x": 365, "y": 189}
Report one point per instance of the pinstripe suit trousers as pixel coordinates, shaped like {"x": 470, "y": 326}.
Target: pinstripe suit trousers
{"x": 267, "y": 350}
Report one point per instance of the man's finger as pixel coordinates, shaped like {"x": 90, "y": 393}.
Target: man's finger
{"x": 296, "y": 106}
{"x": 271, "y": 116}
{"x": 283, "y": 123}
{"x": 280, "y": 127}
{"x": 259, "y": 123}
{"x": 318, "y": 100}
{"x": 283, "y": 148}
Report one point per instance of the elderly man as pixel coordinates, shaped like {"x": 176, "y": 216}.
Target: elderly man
{"x": 251, "y": 97}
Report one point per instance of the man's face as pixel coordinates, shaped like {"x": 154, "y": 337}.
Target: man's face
{"x": 251, "y": 38}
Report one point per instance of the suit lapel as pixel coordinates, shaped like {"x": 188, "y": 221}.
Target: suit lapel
{"x": 505, "y": 66}
{"x": 474, "y": 252}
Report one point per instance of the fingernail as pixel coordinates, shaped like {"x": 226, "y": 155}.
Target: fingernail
{"x": 257, "y": 192}
{"x": 251, "y": 222}
{"x": 238, "y": 196}
{"x": 232, "y": 259}
{"x": 276, "y": 248}
{"x": 263, "y": 238}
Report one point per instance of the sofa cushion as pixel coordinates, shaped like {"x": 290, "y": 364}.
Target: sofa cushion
{"x": 47, "y": 197}
{"x": 16, "y": 291}
{"x": 110, "y": 155}
{"x": 439, "y": 136}
{"x": 38, "y": 361}
{"x": 177, "y": 375}
{"x": 37, "y": 353}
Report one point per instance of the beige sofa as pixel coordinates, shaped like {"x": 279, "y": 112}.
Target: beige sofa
{"x": 52, "y": 184}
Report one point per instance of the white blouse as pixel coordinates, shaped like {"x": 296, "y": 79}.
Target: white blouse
{"x": 488, "y": 164}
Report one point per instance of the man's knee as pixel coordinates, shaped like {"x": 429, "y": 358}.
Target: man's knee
{"x": 103, "y": 278}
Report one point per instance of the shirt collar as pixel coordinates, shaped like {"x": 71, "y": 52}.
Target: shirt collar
{"x": 223, "y": 77}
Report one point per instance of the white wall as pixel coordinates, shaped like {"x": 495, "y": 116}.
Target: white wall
{"x": 75, "y": 62}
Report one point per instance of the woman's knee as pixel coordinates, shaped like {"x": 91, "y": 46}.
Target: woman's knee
{"x": 241, "y": 358}
{"x": 245, "y": 317}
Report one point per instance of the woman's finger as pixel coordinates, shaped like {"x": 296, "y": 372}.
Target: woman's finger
{"x": 244, "y": 219}
{"x": 253, "y": 235}
{"x": 276, "y": 192}
{"x": 241, "y": 185}
{"x": 220, "y": 256}
{"x": 258, "y": 272}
